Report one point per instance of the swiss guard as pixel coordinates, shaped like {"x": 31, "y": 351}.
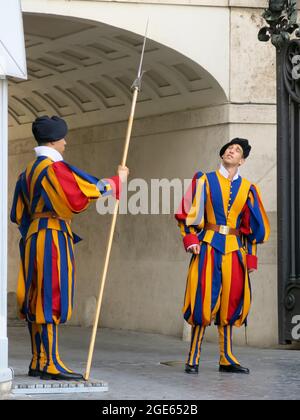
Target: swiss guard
{"x": 222, "y": 219}
{"x": 47, "y": 195}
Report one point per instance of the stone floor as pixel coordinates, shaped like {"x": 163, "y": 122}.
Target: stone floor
{"x": 133, "y": 366}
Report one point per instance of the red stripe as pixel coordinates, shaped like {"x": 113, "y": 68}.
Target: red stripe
{"x": 77, "y": 200}
{"x": 56, "y": 306}
{"x": 237, "y": 285}
{"x": 203, "y": 280}
{"x": 245, "y": 223}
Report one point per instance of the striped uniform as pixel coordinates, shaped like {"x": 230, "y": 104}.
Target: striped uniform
{"x": 46, "y": 280}
{"x": 218, "y": 285}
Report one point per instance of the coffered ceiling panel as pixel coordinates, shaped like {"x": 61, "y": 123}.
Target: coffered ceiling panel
{"x": 83, "y": 72}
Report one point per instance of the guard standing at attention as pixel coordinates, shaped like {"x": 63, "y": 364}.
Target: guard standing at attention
{"x": 222, "y": 219}
{"x": 47, "y": 195}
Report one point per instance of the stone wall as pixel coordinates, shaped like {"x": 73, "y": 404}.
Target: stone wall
{"x": 146, "y": 280}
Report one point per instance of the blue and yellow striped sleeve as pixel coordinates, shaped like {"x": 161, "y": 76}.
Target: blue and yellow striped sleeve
{"x": 190, "y": 215}
{"x": 19, "y": 211}
{"x": 255, "y": 225}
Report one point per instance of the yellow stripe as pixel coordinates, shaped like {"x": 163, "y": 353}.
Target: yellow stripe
{"x": 229, "y": 345}
{"x": 70, "y": 271}
{"x": 28, "y": 170}
{"x": 193, "y": 347}
{"x": 56, "y": 346}
{"x": 88, "y": 189}
{"x": 190, "y": 229}
{"x": 34, "y": 347}
{"x": 223, "y": 360}
{"x": 199, "y": 345}
{"x": 21, "y": 289}
{"x": 27, "y": 173}
{"x": 231, "y": 243}
{"x": 51, "y": 368}
{"x": 225, "y": 191}
{"x": 216, "y": 308}
{"x": 228, "y": 341}
{"x": 40, "y": 205}
{"x": 211, "y": 218}
{"x": 191, "y": 288}
{"x": 236, "y": 209}
{"x": 208, "y": 237}
{"x": 43, "y": 358}
{"x": 56, "y": 244}
{"x": 247, "y": 294}
{"x": 44, "y": 163}
{"x": 206, "y": 311}
{"x": 57, "y": 196}
{"x": 19, "y": 209}
{"x": 239, "y": 203}
{"x": 264, "y": 215}
{"x": 50, "y": 342}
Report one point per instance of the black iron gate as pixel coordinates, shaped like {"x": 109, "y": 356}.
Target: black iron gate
{"x": 288, "y": 191}
{"x": 282, "y": 19}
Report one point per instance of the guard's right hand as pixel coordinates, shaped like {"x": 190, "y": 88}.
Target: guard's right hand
{"x": 195, "y": 249}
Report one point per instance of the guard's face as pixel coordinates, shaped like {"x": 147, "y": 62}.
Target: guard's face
{"x": 59, "y": 145}
{"x": 233, "y": 155}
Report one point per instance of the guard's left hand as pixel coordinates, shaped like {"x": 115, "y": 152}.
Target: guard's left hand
{"x": 123, "y": 173}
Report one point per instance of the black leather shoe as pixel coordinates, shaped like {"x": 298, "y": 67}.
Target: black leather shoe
{"x": 234, "y": 369}
{"x": 62, "y": 376}
{"x": 34, "y": 373}
{"x": 191, "y": 369}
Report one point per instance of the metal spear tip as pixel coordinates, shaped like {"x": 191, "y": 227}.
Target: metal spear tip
{"x": 137, "y": 84}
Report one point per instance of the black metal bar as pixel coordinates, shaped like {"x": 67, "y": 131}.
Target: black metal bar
{"x": 298, "y": 192}
{"x": 292, "y": 179}
{"x": 297, "y": 189}
{"x": 283, "y": 190}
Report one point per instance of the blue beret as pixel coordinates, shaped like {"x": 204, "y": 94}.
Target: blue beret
{"x": 241, "y": 142}
{"x": 47, "y": 129}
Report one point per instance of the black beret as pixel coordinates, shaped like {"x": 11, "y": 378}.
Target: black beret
{"x": 47, "y": 129}
{"x": 241, "y": 142}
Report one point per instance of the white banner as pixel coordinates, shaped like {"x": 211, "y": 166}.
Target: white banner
{"x": 12, "y": 46}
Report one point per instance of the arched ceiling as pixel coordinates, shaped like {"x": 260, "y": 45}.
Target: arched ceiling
{"x": 83, "y": 71}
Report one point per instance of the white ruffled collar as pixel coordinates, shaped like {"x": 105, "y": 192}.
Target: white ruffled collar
{"x": 223, "y": 171}
{"x": 49, "y": 152}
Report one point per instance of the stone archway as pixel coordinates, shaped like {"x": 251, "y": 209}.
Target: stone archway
{"x": 83, "y": 71}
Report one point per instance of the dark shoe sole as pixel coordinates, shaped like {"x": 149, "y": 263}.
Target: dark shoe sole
{"x": 34, "y": 373}
{"x": 61, "y": 377}
{"x": 234, "y": 369}
{"x": 191, "y": 370}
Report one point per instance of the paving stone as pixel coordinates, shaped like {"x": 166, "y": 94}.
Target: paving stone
{"x": 139, "y": 366}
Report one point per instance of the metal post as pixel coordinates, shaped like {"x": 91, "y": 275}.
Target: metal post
{"x": 5, "y": 372}
{"x": 283, "y": 189}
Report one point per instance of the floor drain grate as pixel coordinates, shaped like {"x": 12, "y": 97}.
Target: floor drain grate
{"x": 172, "y": 363}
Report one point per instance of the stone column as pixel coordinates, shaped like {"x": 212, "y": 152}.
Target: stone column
{"x": 5, "y": 372}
